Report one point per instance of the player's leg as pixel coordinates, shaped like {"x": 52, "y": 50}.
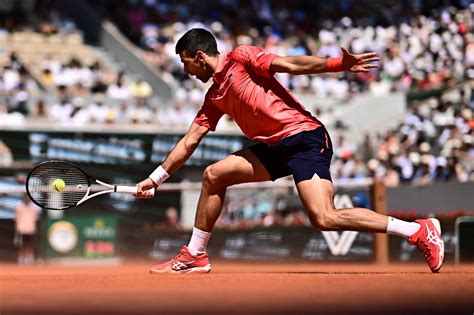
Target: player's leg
{"x": 317, "y": 197}
{"x": 240, "y": 167}
{"x": 310, "y": 168}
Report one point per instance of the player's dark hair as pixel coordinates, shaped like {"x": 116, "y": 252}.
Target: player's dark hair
{"x": 197, "y": 39}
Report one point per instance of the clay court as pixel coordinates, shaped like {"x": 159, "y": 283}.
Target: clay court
{"x": 238, "y": 288}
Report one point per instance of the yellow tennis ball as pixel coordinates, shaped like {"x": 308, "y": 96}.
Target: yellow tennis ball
{"x": 59, "y": 184}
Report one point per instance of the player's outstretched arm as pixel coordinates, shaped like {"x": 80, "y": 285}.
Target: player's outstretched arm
{"x": 175, "y": 159}
{"x": 313, "y": 65}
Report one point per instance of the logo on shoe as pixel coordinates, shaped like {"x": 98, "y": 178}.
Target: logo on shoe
{"x": 178, "y": 265}
{"x": 433, "y": 238}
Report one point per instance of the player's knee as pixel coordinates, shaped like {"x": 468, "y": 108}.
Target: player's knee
{"x": 323, "y": 222}
{"x": 211, "y": 177}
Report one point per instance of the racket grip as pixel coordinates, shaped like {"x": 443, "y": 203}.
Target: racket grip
{"x": 131, "y": 190}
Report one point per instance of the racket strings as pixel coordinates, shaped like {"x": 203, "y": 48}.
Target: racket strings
{"x": 71, "y": 185}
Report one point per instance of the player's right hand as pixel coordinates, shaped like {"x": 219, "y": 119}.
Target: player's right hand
{"x": 143, "y": 187}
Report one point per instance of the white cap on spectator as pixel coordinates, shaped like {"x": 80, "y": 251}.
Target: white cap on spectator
{"x": 405, "y": 29}
{"x": 217, "y": 27}
{"x": 78, "y": 101}
{"x": 433, "y": 103}
{"x": 346, "y": 21}
{"x": 414, "y": 157}
{"x": 327, "y": 36}
{"x": 467, "y": 139}
{"x": 181, "y": 95}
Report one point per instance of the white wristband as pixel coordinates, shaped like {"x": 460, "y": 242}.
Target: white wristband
{"x": 159, "y": 175}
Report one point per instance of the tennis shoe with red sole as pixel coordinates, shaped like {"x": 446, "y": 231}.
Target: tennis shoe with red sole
{"x": 184, "y": 262}
{"x": 429, "y": 241}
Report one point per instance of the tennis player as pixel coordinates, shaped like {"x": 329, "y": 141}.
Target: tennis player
{"x": 291, "y": 142}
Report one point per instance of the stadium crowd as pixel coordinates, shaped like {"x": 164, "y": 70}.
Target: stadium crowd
{"x": 82, "y": 94}
{"x": 435, "y": 143}
{"x": 423, "y": 43}
{"x": 78, "y": 92}
{"x": 425, "y": 46}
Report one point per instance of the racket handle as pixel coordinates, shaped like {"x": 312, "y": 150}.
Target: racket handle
{"x": 131, "y": 190}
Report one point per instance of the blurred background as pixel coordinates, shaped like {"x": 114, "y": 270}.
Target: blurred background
{"x": 97, "y": 83}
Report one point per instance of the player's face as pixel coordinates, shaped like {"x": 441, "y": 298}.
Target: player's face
{"x": 195, "y": 66}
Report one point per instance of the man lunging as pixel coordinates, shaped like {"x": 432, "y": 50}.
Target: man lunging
{"x": 291, "y": 142}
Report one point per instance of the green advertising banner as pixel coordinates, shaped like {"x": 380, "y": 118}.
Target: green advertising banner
{"x": 81, "y": 236}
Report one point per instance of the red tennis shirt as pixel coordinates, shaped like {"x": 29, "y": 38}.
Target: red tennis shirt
{"x": 245, "y": 89}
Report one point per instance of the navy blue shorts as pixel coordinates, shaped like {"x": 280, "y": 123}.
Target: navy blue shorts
{"x": 301, "y": 155}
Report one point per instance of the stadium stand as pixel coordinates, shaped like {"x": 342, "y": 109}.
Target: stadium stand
{"x": 50, "y": 74}
{"x": 418, "y": 42}
{"x": 423, "y": 46}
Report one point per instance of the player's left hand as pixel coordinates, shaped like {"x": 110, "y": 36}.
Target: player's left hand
{"x": 360, "y": 62}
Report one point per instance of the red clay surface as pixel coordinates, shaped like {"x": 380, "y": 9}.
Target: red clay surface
{"x": 238, "y": 288}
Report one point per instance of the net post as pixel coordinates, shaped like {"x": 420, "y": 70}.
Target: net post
{"x": 379, "y": 204}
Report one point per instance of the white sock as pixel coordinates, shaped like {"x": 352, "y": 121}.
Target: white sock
{"x": 198, "y": 243}
{"x": 401, "y": 228}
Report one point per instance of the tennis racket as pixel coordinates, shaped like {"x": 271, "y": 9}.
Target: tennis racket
{"x": 59, "y": 185}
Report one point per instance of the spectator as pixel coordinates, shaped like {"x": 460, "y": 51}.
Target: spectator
{"x": 118, "y": 90}
{"x": 140, "y": 113}
{"x": 26, "y": 217}
{"x": 421, "y": 52}
{"x": 100, "y": 112}
{"x": 81, "y": 115}
{"x": 61, "y": 112}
